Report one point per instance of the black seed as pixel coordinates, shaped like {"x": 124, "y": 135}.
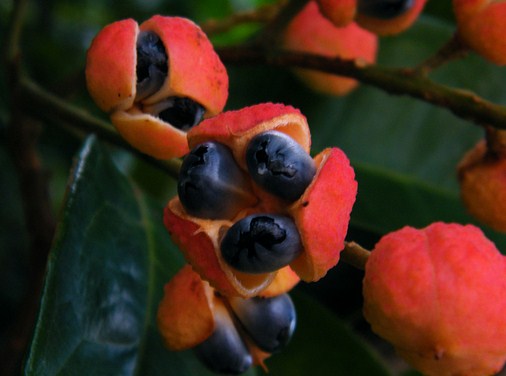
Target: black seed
{"x": 224, "y": 352}
{"x": 261, "y": 243}
{"x": 270, "y": 322}
{"x": 152, "y": 64}
{"x": 279, "y": 165}
{"x": 211, "y": 184}
{"x": 384, "y": 9}
{"x": 182, "y": 113}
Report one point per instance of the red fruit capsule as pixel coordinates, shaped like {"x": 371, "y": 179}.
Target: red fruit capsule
{"x": 192, "y": 315}
{"x": 156, "y": 80}
{"x": 320, "y": 215}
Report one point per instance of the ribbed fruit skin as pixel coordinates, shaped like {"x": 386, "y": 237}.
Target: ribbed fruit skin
{"x": 439, "y": 295}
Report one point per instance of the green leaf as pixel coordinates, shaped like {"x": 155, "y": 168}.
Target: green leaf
{"x": 323, "y": 345}
{"x": 387, "y": 201}
{"x": 400, "y": 133}
{"x": 110, "y": 260}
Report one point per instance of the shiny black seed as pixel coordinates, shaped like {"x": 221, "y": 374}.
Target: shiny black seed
{"x": 384, "y": 9}
{"x": 211, "y": 184}
{"x": 270, "y": 322}
{"x": 279, "y": 165}
{"x": 182, "y": 113}
{"x": 152, "y": 64}
{"x": 224, "y": 352}
{"x": 261, "y": 243}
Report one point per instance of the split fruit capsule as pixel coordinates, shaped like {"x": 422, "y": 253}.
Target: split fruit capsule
{"x": 439, "y": 295}
{"x": 229, "y": 335}
{"x": 382, "y": 17}
{"x": 481, "y": 26}
{"x": 156, "y": 81}
{"x": 310, "y": 32}
{"x": 295, "y": 225}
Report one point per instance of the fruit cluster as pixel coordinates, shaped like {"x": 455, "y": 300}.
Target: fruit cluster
{"x": 248, "y": 218}
{"x": 252, "y": 203}
{"x": 255, "y": 213}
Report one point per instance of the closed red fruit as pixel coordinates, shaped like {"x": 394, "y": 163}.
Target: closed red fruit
{"x": 439, "y": 295}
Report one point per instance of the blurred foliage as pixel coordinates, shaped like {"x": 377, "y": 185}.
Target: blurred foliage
{"x": 404, "y": 152}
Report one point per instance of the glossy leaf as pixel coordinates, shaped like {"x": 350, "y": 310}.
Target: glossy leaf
{"x": 110, "y": 260}
{"x": 388, "y": 201}
{"x": 404, "y": 134}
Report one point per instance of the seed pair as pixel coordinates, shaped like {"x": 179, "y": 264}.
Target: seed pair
{"x": 268, "y": 322}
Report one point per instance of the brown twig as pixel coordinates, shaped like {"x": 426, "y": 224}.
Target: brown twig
{"x": 261, "y": 15}
{"x": 454, "y": 49}
{"x": 464, "y": 104}
{"x": 355, "y": 255}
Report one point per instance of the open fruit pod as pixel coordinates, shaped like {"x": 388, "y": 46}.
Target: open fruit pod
{"x": 228, "y": 334}
{"x": 156, "y": 80}
{"x": 263, "y": 231}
